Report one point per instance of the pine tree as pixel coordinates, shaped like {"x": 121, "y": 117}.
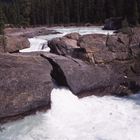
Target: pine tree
{"x": 50, "y": 12}
{"x": 99, "y": 10}
{"x": 25, "y": 9}
{"x": 1, "y": 22}
{"x": 110, "y": 8}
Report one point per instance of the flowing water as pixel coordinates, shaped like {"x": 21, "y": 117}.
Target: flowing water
{"x": 71, "y": 118}
{"x": 37, "y": 42}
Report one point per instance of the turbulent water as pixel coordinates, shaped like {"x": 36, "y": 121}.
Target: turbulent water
{"x": 71, "y": 118}
{"x": 37, "y": 42}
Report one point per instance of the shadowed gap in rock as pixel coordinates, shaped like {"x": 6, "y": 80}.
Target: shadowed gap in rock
{"x": 57, "y": 74}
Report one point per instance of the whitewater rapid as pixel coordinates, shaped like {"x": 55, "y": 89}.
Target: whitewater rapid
{"x": 36, "y": 43}
{"x": 71, "y": 118}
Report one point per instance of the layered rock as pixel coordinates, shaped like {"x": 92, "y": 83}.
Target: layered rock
{"x": 25, "y": 84}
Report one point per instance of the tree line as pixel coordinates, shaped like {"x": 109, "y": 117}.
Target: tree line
{"x": 50, "y": 12}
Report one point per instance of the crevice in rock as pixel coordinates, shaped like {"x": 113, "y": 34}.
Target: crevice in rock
{"x": 57, "y": 74}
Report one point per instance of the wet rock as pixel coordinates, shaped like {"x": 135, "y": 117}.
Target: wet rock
{"x": 25, "y": 84}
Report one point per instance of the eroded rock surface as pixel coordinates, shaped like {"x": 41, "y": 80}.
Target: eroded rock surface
{"x": 25, "y": 84}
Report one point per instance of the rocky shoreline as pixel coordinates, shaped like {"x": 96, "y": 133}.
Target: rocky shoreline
{"x": 88, "y": 65}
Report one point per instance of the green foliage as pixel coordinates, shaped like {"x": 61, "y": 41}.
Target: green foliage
{"x": 39, "y": 12}
{"x": 1, "y": 22}
{"x": 25, "y": 9}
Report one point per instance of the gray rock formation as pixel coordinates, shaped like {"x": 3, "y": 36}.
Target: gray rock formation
{"x": 25, "y": 84}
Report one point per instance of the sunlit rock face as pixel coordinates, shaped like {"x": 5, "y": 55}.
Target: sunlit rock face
{"x": 91, "y": 118}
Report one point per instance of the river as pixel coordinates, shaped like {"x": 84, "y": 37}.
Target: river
{"x": 71, "y": 118}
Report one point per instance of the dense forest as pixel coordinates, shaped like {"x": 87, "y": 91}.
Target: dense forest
{"x": 49, "y": 12}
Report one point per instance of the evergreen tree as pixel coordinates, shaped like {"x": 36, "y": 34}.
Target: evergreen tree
{"x": 25, "y": 8}
{"x": 99, "y": 11}
{"x": 1, "y": 22}
{"x": 39, "y": 12}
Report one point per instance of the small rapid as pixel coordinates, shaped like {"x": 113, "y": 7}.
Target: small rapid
{"x": 36, "y": 43}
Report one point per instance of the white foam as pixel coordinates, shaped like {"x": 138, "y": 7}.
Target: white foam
{"x": 36, "y": 43}
{"x": 70, "y": 118}
{"x": 83, "y": 30}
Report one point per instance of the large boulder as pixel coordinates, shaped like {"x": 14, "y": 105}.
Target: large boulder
{"x": 62, "y": 46}
{"x": 13, "y": 43}
{"x": 113, "y": 23}
{"x": 16, "y": 43}
{"x": 67, "y": 46}
{"x": 85, "y": 79}
{"x": 125, "y": 44}
{"x": 96, "y": 49}
{"x": 25, "y": 84}
{"x": 81, "y": 47}
{"x": 77, "y": 46}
